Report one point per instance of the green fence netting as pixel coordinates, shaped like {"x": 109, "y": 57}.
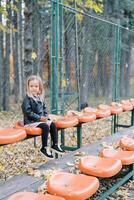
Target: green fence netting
{"x": 94, "y": 60}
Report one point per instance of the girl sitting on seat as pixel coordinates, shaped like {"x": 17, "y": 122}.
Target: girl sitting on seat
{"x": 35, "y": 114}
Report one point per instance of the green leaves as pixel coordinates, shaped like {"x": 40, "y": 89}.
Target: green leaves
{"x": 97, "y": 6}
{"x": 3, "y": 11}
{"x": 82, "y": 6}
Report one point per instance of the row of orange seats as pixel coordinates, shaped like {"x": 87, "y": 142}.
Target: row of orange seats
{"x": 69, "y": 186}
{"x": 71, "y": 119}
{"x": 89, "y": 114}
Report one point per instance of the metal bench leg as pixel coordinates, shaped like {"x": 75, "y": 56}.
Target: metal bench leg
{"x": 131, "y": 167}
{"x": 132, "y": 117}
{"x": 63, "y": 137}
{"x": 115, "y": 123}
{"x": 35, "y": 143}
{"x": 79, "y": 136}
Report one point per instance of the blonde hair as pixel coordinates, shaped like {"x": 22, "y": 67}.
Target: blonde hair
{"x": 41, "y": 89}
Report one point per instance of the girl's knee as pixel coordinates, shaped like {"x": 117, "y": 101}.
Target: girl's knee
{"x": 44, "y": 126}
{"x": 53, "y": 126}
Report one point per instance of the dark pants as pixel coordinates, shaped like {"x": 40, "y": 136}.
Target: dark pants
{"x": 45, "y": 131}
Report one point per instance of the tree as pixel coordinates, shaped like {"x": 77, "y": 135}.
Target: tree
{"x": 1, "y": 59}
{"x": 28, "y": 41}
{"x": 86, "y": 51}
{"x": 6, "y": 83}
{"x": 121, "y": 12}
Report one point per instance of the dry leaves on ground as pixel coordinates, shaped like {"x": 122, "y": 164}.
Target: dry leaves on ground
{"x": 24, "y": 157}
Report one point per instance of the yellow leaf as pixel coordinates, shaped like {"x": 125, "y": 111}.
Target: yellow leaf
{"x": 79, "y": 17}
{"x": 98, "y": 9}
{"x": 63, "y": 83}
{"x": 34, "y": 55}
{"x": 2, "y": 168}
{"x": 15, "y": 8}
{"x": 15, "y": 30}
{"x": 2, "y": 27}
{"x": 89, "y": 4}
{"x": 1, "y": 149}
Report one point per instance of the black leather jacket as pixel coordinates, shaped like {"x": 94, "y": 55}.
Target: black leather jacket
{"x": 33, "y": 110}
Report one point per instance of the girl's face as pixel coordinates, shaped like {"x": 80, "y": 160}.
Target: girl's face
{"x": 34, "y": 87}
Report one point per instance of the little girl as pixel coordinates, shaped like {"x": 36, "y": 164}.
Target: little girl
{"x": 35, "y": 114}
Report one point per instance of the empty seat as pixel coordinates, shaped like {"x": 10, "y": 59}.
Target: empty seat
{"x": 126, "y": 105}
{"x": 66, "y": 122}
{"x": 116, "y": 108}
{"x": 11, "y": 135}
{"x": 132, "y": 101}
{"x": 103, "y": 111}
{"x": 54, "y": 117}
{"x": 126, "y": 157}
{"x": 33, "y": 196}
{"x": 89, "y": 110}
{"x": 127, "y": 143}
{"x": 82, "y": 117}
{"x": 100, "y": 167}
{"x": 29, "y": 130}
{"x": 72, "y": 186}
{"x": 104, "y": 107}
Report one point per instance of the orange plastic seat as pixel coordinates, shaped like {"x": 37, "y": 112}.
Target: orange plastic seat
{"x": 72, "y": 186}
{"x": 126, "y": 157}
{"x": 104, "y": 107}
{"x": 82, "y": 117}
{"x": 11, "y": 135}
{"x": 89, "y": 110}
{"x": 66, "y": 122}
{"x": 127, "y": 143}
{"x": 33, "y": 196}
{"x": 54, "y": 117}
{"x": 29, "y": 130}
{"x": 103, "y": 111}
{"x": 99, "y": 166}
{"x": 132, "y": 101}
{"x": 126, "y": 105}
{"x": 87, "y": 117}
{"x": 116, "y": 108}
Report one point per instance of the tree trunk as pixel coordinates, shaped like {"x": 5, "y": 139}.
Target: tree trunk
{"x": 20, "y": 51}
{"x": 15, "y": 55}
{"x": 6, "y": 78}
{"x": 35, "y": 26}
{"x": 87, "y": 62}
{"x": 44, "y": 44}
{"x": 122, "y": 73}
{"x": 28, "y": 41}
{"x": 69, "y": 53}
{"x": 1, "y": 61}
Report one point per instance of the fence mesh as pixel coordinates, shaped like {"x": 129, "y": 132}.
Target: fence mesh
{"x": 97, "y": 60}
{"x": 81, "y": 58}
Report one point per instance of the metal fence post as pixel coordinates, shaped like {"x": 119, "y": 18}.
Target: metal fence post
{"x": 54, "y": 56}
{"x": 116, "y": 86}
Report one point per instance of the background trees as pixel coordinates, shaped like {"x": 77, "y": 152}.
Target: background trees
{"x": 88, "y": 47}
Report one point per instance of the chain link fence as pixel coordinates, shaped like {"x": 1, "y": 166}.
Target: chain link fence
{"x": 97, "y": 59}
{"x": 81, "y": 58}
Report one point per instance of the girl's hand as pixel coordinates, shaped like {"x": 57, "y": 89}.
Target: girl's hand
{"x": 43, "y": 119}
{"x": 49, "y": 122}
